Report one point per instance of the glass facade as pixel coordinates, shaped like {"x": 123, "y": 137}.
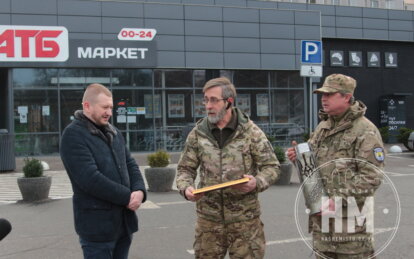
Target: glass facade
{"x": 154, "y": 109}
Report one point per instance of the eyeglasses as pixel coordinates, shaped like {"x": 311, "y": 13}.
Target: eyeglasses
{"x": 212, "y": 100}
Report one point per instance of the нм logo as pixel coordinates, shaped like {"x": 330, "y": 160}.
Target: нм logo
{"x": 355, "y": 216}
{"x": 34, "y": 43}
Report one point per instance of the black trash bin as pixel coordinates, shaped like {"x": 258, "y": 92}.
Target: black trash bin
{"x": 7, "y": 158}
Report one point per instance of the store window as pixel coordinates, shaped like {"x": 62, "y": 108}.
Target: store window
{"x": 200, "y": 78}
{"x": 35, "y": 110}
{"x": 390, "y": 4}
{"x": 286, "y": 79}
{"x": 36, "y": 114}
{"x": 34, "y": 78}
{"x": 250, "y": 79}
{"x": 72, "y": 84}
{"x": 132, "y": 109}
{"x": 227, "y": 73}
{"x": 173, "y": 78}
{"x": 70, "y": 102}
{"x": 374, "y": 3}
{"x": 132, "y": 78}
{"x": 36, "y": 144}
{"x": 153, "y": 109}
{"x": 177, "y": 101}
{"x": 80, "y": 78}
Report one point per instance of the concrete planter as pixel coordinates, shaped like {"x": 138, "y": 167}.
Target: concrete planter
{"x": 34, "y": 188}
{"x": 285, "y": 174}
{"x": 160, "y": 179}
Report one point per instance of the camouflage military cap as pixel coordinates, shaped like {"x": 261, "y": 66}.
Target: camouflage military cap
{"x": 337, "y": 83}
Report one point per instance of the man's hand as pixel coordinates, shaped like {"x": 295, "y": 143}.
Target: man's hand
{"x": 291, "y": 153}
{"x": 135, "y": 200}
{"x": 247, "y": 186}
{"x": 192, "y": 197}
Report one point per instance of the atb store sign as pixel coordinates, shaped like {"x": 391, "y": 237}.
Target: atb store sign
{"x": 33, "y": 43}
{"x": 46, "y": 46}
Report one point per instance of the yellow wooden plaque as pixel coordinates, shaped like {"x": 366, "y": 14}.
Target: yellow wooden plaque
{"x": 221, "y": 185}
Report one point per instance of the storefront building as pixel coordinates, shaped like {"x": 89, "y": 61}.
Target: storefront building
{"x": 156, "y": 57}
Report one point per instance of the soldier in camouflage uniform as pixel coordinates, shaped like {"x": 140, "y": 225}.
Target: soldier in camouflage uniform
{"x": 225, "y": 146}
{"x": 344, "y": 132}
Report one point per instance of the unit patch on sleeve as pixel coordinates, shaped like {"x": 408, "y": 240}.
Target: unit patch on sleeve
{"x": 379, "y": 154}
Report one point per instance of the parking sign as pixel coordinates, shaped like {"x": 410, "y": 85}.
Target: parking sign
{"x": 311, "y": 52}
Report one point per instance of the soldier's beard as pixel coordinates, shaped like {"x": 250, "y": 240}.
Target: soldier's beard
{"x": 218, "y": 117}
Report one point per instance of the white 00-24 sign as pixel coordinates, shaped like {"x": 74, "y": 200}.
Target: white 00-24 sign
{"x": 137, "y": 34}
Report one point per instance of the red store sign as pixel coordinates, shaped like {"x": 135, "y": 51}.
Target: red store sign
{"x": 33, "y": 43}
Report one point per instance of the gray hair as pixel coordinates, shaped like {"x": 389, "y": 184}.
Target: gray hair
{"x": 224, "y": 83}
{"x": 351, "y": 100}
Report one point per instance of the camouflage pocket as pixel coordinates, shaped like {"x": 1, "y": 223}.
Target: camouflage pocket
{"x": 345, "y": 147}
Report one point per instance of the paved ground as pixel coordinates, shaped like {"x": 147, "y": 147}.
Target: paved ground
{"x": 45, "y": 230}
{"x": 61, "y": 188}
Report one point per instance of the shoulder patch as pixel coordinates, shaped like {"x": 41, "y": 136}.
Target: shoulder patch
{"x": 379, "y": 154}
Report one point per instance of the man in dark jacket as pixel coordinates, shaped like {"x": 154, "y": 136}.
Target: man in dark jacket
{"x": 107, "y": 184}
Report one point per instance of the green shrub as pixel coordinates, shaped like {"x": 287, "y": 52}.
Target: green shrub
{"x": 384, "y": 134}
{"x": 280, "y": 154}
{"x": 271, "y": 139}
{"x": 32, "y": 167}
{"x": 158, "y": 159}
{"x": 404, "y": 134}
{"x": 306, "y": 136}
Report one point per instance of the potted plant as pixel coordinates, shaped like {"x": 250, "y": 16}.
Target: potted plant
{"x": 385, "y": 134}
{"x": 404, "y": 134}
{"x": 285, "y": 167}
{"x": 159, "y": 177}
{"x": 34, "y": 186}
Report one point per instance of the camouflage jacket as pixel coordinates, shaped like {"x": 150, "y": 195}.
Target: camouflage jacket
{"x": 351, "y": 136}
{"x": 247, "y": 151}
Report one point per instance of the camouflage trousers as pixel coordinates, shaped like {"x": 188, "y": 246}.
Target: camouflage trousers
{"x": 356, "y": 246}
{"x": 242, "y": 239}
{"x": 328, "y": 255}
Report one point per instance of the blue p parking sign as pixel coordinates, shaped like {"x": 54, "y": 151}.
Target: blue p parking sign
{"x": 311, "y": 52}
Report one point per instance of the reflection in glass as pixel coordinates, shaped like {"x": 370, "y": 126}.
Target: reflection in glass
{"x": 243, "y": 103}
{"x": 33, "y": 78}
{"x": 35, "y": 111}
{"x": 140, "y": 141}
{"x": 262, "y": 104}
{"x": 198, "y": 108}
{"x": 157, "y": 118}
{"x": 288, "y": 117}
{"x": 152, "y": 105}
{"x": 228, "y": 74}
{"x": 173, "y": 78}
{"x": 82, "y": 77}
{"x": 288, "y": 106}
{"x": 176, "y": 106}
{"x": 70, "y": 101}
{"x": 297, "y": 107}
{"x": 200, "y": 78}
{"x": 36, "y": 144}
{"x": 280, "y": 101}
{"x": 136, "y": 103}
{"x": 250, "y": 79}
{"x": 132, "y": 77}
{"x": 286, "y": 79}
